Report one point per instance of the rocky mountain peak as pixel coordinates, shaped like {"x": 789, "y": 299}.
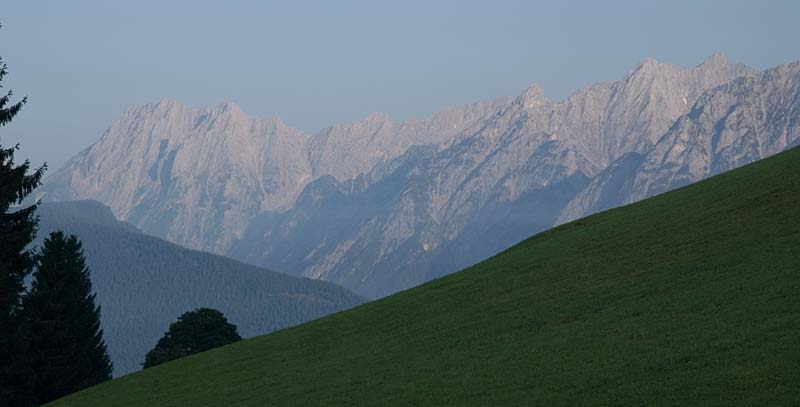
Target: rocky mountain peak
{"x": 731, "y": 124}
{"x": 716, "y": 59}
{"x": 647, "y": 63}
{"x": 378, "y": 117}
{"x": 164, "y": 107}
{"x": 230, "y": 107}
{"x": 650, "y": 67}
{"x": 230, "y": 112}
{"x": 532, "y": 97}
{"x": 166, "y": 102}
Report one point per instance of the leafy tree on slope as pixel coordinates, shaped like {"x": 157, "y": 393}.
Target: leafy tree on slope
{"x": 193, "y": 332}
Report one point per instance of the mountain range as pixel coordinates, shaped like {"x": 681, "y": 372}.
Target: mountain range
{"x": 144, "y": 283}
{"x": 380, "y": 206}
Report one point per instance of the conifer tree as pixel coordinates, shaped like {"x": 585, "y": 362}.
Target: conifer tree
{"x": 17, "y": 231}
{"x": 67, "y": 351}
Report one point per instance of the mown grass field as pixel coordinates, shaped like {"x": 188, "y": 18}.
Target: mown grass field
{"x": 692, "y": 297}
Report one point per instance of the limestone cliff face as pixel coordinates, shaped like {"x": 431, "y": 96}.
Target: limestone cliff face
{"x": 615, "y": 118}
{"x": 734, "y": 124}
{"x": 347, "y": 150}
{"x": 379, "y": 205}
{"x": 438, "y": 208}
{"x": 197, "y": 177}
{"x": 193, "y": 176}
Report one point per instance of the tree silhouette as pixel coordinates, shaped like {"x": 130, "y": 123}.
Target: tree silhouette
{"x": 67, "y": 351}
{"x": 193, "y": 332}
{"x": 17, "y": 231}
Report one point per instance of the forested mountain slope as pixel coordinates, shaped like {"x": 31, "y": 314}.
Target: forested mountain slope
{"x": 144, "y": 283}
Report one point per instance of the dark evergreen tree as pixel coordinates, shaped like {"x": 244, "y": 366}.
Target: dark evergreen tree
{"x": 67, "y": 351}
{"x": 17, "y": 230}
{"x": 193, "y": 332}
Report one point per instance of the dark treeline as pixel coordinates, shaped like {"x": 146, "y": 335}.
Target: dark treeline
{"x": 51, "y": 343}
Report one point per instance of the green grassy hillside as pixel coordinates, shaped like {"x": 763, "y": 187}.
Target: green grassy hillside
{"x": 692, "y": 297}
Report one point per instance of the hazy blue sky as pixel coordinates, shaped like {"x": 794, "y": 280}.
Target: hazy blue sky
{"x": 82, "y": 63}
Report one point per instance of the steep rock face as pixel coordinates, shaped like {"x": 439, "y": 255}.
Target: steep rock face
{"x": 193, "y": 176}
{"x": 434, "y": 210}
{"x": 348, "y": 150}
{"x": 197, "y": 177}
{"x": 376, "y": 205}
{"x": 731, "y": 125}
{"x": 388, "y": 229}
{"x": 613, "y": 119}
